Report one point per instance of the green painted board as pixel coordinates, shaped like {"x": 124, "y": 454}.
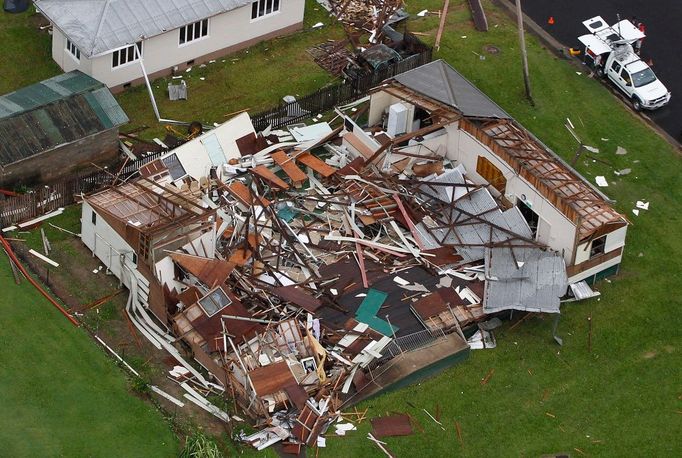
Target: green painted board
{"x": 371, "y": 304}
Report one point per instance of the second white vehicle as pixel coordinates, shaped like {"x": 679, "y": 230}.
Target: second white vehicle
{"x": 608, "y": 50}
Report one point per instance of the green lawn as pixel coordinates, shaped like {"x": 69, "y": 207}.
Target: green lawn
{"x": 61, "y": 396}
{"x": 622, "y": 399}
{"x": 26, "y": 52}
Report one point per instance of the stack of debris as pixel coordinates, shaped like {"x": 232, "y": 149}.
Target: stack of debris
{"x": 308, "y": 269}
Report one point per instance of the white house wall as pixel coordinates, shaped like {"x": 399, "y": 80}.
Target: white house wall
{"x": 193, "y": 155}
{"x": 106, "y": 244}
{"x": 465, "y": 150}
{"x": 614, "y": 240}
{"x": 226, "y": 30}
{"x": 64, "y": 58}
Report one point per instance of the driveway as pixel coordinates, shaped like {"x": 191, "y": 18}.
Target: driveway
{"x": 663, "y": 20}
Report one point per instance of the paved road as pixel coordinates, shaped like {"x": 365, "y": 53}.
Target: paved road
{"x": 663, "y": 44}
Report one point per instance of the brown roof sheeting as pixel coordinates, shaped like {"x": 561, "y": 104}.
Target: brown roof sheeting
{"x": 271, "y": 378}
{"x": 211, "y": 272}
{"x": 297, "y": 296}
{"x": 394, "y": 425}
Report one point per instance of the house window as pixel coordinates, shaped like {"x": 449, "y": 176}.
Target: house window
{"x": 75, "y": 52}
{"x": 598, "y": 246}
{"x": 93, "y": 218}
{"x": 193, "y": 31}
{"x": 214, "y": 301}
{"x": 126, "y": 55}
{"x": 261, "y": 8}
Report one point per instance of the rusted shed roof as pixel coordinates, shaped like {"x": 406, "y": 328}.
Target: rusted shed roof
{"x": 271, "y": 378}
{"x": 54, "y": 112}
{"x": 429, "y": 306}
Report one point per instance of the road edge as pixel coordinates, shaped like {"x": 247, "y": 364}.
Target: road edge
{"x": 560, "y": 50}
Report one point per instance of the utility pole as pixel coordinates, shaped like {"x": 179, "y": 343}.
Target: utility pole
{"x": 524, "y": 57}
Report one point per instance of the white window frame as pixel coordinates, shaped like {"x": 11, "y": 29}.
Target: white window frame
{"x": 73, "y": 50}
{"x": 259, "y": 8}
{"x": 128, "y": 61}
{"x": 204, "y": 32}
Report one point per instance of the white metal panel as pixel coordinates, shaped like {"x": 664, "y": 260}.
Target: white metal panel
{"x": 628, "y": 31}
{"x": 595, "y": 24}
{"x": 596, "y": 45}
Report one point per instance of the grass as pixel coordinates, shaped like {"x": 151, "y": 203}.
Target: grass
{"x": 254, "y": 79}
{"x": 623, "y": 398}
{"x": 60, "y": 395}
{"x": 26, "y": 54}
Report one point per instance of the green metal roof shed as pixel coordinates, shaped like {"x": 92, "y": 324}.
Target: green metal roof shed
{"x": 54, "y": 112}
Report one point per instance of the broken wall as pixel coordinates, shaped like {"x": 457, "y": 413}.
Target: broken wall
{"x": 554, "y": 229}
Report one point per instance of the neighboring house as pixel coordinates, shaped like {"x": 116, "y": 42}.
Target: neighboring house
{"x": 105, "y": 38}
{"x": 51, "y": 128}
{"x": 564, "y": 211}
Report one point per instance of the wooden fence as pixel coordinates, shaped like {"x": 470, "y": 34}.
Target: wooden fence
{"x": 328, "y": 97}
{"x": 45, "y": 199}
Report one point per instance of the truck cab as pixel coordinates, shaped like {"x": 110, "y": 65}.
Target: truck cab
{"x": 608, "y": 50}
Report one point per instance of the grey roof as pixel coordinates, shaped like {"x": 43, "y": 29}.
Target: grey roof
{"x": 98, "y": 26}
{"x": 54, "y": 112}
{"x": 439, "y": 81}
{"x": 477, "y": 231}
{"x": 532, "y": 279}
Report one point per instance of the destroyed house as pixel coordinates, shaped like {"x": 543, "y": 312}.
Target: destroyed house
{"x": 110, "y": 39}
{"x": 52, "y": 128}
{"x": 454, "y": 120}
{"x": 311, "y": 267}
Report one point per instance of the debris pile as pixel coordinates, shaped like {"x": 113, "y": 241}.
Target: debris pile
{"x": 307, "y": 269}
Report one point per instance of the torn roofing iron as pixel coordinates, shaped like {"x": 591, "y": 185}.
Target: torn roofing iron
{"x": 529, "y": 279}
{"x": 98, "y": 26}
{"x": 439, "y": 81}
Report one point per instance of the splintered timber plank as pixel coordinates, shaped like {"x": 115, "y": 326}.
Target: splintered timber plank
{"x": 297, "y": 175}
{"x": 267, "y": 174}
{"x": 316, "y": 164}
{"x": 244, "y": 194}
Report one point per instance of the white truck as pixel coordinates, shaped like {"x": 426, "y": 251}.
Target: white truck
{"x": 608, "y": 50}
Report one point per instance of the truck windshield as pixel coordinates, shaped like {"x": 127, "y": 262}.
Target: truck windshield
{"x": 643, "y": 77}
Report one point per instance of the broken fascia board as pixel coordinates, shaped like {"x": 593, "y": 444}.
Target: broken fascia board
{"x": 59, "y": 211}
{"x": 167, "y": 396}
{"x": 349, "y": 380}
{"x": 117, "y": 356}
{"x": 395, "y": 251}
{"x": 43, "y": 258}
{"x": 193, "y": 394}
{"x": 335, "y": 355}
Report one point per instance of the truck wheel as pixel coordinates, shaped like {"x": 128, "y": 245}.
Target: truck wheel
{"x": 636, "y": 104}
{"x": 600, "y": 72}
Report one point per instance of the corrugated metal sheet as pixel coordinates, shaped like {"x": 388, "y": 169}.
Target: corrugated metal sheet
{"x": 55, "y": 124}
{"x": 45, "y": 92}
{"x": 532, "y": 279}
{"x": 439, "y": 81}
{"x": 98, "y": 26}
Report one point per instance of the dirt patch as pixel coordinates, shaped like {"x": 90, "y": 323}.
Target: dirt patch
{"x": 649, "y": 354}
